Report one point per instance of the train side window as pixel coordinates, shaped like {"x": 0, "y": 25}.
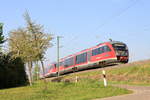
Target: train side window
{"x": 100, "y": 50}
{"x": 94, "y": 52}
{"x": 81, "y": 58}
{"x": 69, "y": 62}
{"x": 61, "y": 63}
{"x": 106, "y": 49}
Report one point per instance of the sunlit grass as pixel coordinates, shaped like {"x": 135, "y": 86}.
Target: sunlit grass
{"x": 89, "y": 86}
{"x": 133, "y": 74}
{"x": 85, "y": 89}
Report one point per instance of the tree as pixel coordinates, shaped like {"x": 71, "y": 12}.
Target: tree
{"x": 40, "y": 39}
{"x": 30, "y": 43}
{"x": 36, "y": 71}
{"x": 20, "y": 46}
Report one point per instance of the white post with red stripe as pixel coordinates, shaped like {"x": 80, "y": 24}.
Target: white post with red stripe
{"x": 104, "y": 78}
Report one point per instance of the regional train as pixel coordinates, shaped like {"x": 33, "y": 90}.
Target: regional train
{"x": 101, "y": 55}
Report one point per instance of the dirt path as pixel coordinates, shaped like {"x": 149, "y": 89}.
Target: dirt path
{"x": 140, "y": 93}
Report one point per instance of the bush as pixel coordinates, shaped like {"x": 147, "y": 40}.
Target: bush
{"x": 12, "y": 72}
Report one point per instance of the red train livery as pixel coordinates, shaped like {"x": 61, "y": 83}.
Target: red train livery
{"x": 103, "y": 54}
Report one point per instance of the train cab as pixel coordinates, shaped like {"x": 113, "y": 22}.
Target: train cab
{"x": 121, "y": 51}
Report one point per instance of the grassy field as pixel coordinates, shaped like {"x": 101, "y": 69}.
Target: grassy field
{"x": 134, "y": 74}
{"x": 137, "y": 73}
{"x": 83, "y": 90}
{"x": 90, "y": 85}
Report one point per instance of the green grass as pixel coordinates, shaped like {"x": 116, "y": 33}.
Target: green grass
{"x": 85, "y": 89}
{"x": 137, "y": 73}
{"x": 128, "y": 83}
{"x": 134, "y": 74}
{"x": 89, "y": 87}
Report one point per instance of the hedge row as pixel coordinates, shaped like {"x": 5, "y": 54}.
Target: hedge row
{"x": 12, "y": 72}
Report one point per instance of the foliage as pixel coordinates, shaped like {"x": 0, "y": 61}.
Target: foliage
{"x": 40, "y": 40}
{"x": 83, "y": 90}
{"x": 18, "y": 43}
{"x": 30, "y": 43}
{"x": 12, "y": 72}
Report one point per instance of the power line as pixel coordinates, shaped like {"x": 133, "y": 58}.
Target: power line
{"x": 119, "y": 14}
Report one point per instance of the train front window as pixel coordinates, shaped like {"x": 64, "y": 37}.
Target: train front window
{"x": 120, "y": 49}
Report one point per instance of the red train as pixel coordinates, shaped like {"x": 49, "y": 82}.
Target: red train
{"x": 103, "y": 54}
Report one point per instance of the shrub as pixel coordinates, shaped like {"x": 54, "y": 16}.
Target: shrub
{"x": 12, "y": 71}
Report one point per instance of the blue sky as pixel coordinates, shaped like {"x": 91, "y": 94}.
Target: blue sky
{"x": 85, "y": 23}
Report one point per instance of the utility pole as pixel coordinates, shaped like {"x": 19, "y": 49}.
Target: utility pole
{"x": 58, "y": 46}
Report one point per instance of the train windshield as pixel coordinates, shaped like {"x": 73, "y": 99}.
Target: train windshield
{"x": 120, "y": 49}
